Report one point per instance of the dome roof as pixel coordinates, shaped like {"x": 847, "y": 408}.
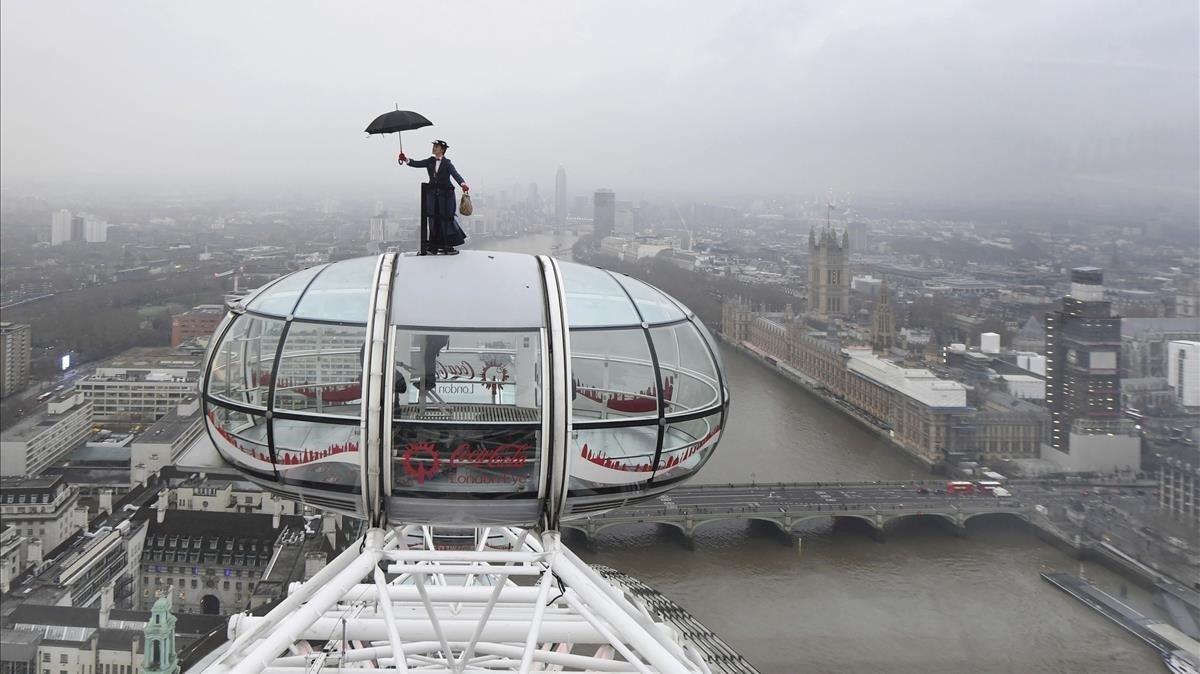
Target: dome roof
{"x": 483, "y": 388}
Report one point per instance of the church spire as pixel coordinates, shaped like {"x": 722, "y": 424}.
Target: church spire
{"x": 159, "y": 656}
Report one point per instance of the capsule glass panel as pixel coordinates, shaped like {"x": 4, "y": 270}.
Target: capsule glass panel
{"x": 605, "y": 458}
{"x": 320, "y": 370}
{"x": 688, "y": 371}
{"x": 686, "y": 446}
{"x": 242, "y": 362}
{"x": 713, "y": 347}
{"x": 320, "y": 455}
{"x": 614, "y": 376}
{"x": 242, "y": 440}
{"x": 595, "y": 299}
{"x": 280, "y": 298}
{"x": 652, "y": 304}
{"x": 340, "y": 293}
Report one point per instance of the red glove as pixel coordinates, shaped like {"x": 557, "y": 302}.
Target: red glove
{"x": 403, "y": 158}
{"x": 465, "y": 188}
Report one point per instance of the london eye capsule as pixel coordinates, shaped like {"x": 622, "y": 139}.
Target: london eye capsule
{"x": 483, "y": 389}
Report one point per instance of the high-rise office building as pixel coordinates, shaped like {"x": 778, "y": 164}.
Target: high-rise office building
{"x": 560, "y": 197}
{"x": 95, "y": 229}
{"x": 15, "y": 350}
{"x": 60, "y": 227}
{"x": 378, "y": 228}
{"x": 77, "y": 229}
{"x": 1083, "y": 346}
{"x": 604, "y": 215}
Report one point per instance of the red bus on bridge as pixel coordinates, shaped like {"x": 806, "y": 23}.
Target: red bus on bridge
{"x": 960, "y": 488}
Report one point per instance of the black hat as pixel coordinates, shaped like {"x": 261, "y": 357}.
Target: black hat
{"x": 443, "y": 143}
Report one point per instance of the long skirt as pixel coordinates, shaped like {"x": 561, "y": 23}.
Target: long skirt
{"x": 444, "y": 231}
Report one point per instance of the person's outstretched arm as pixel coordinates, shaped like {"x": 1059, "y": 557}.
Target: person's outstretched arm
{"x": 416, "y": 163}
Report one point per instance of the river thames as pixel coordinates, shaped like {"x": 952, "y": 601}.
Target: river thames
{"x": 924, "y": 601}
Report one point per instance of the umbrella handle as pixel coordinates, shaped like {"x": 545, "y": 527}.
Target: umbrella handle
{"x": 400, "y": 136}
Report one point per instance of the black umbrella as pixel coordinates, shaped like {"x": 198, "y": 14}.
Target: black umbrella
{"x": 397, "y": 121}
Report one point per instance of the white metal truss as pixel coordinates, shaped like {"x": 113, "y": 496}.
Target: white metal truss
{"x": 492, "y": 600}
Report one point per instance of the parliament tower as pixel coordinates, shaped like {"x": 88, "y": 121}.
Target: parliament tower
{"x": 828, "y": 273}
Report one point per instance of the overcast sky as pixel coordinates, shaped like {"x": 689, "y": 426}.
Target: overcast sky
{"x": 929, "y": 97}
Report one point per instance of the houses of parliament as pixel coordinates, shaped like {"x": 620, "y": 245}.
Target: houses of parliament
{"x": 931, "y": 418}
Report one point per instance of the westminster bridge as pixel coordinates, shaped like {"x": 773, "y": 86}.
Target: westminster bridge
{"x": 786, "y": 506}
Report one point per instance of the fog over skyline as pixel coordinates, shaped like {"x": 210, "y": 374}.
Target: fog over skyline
{"x": 1010, "y": 100}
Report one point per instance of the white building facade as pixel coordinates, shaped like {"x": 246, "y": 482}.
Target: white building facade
{"x": 141, "y": 386}
{"x": 60, "y": 227}
{"x": 1183, "y": 371}
{"x": 41, "y": 440}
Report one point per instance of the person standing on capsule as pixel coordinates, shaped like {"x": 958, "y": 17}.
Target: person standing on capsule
{"x": 444, "y": 232}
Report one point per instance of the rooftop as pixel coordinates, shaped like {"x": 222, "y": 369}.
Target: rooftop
{"x": 1134, "y": 327}
{"x": 917, "y": 383}
{"x": 153, "y": 357}
{"x": 91, "y": 474}
{"x": 188, "y": 624}
{"x": 30, "y": 484}
{"x": 19, "y": 645}
{"x": 205, "y": 310}
{"x": 1021, "y": 378}
{"x": 33, "y": 425}
{"x": 999, "y": 401}
{"x": 169, "y": 428}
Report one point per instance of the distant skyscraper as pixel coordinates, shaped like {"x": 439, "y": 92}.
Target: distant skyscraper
{"x": 378, "y": 228}
{"x": 15, "y": 350}
{"x": 77, "y": 228}
{"x": 828, "y": 273}
{"x": 560, "y": 197}
{"x": 604, "y": 215}
{"x": 535, "y": 199}
{"x": 60, "y": 227}
{"x": 95, "y": 229}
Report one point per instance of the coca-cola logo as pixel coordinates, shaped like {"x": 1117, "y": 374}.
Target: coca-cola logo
{"x": 472, "y": 463}
{"x": 507, "y": 455}
{"x": 460, "y": 370}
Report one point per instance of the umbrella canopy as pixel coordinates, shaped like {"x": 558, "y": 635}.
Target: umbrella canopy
{"x": 396, "y": 121}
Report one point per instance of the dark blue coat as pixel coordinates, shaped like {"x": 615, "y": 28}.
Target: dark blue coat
{"x": 441, "y": 203}
{"x": 442, "y": 178}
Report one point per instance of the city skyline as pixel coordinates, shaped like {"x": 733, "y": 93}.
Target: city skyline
{"x": 1068, "y": 102}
